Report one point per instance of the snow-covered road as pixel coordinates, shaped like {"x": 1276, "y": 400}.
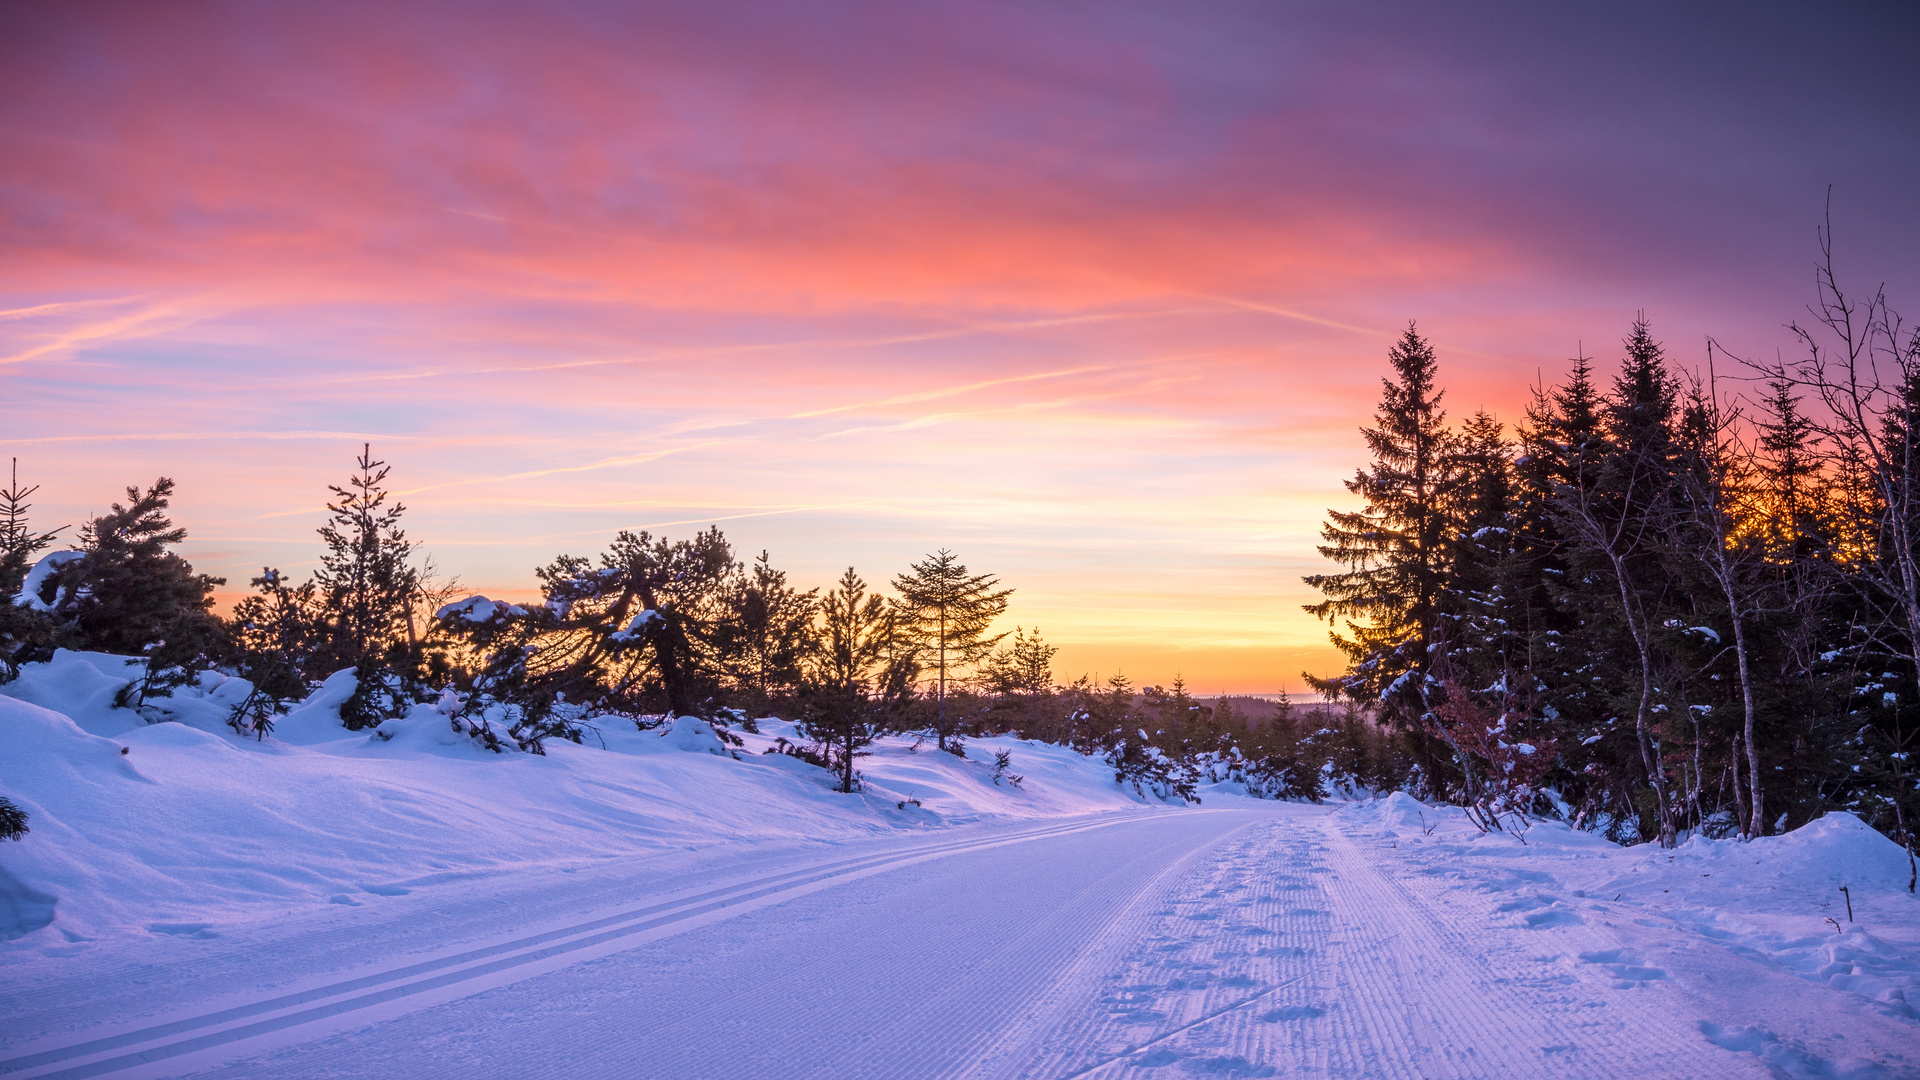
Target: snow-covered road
{"x": 1258, "y": 940}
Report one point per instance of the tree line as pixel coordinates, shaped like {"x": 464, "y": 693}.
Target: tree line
{"x": 1680, "y": 601}
{"x": 650, "y": 628}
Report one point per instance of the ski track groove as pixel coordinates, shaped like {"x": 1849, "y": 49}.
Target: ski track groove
{"x": 1049, "y": 1002}
{"x": 1464, "y": 1019}
{"x": 155, "y": 1042}
{"x": 1211, "y": 943}
{"x": 701, "y": 1010}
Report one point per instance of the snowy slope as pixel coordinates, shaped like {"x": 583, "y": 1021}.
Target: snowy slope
{"x": 195, "y": 825}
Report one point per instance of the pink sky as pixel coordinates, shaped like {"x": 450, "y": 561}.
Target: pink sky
{"x": 1094, "y": 295}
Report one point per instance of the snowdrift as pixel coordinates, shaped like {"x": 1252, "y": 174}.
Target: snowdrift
{"x": 182, "y": 823}
{"x": 1827, "y": 902}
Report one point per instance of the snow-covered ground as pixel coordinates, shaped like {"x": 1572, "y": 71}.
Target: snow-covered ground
{"x": 329, "y": 904}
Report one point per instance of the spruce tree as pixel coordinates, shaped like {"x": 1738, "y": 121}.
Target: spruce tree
{"x": 1616, "y": 527}
{"x": 945, "y": 612}
{"x": 1789, "y": 465}
{"x": 1396, "y": 548}
{"x": 1481, "y": 612}
{"x": 129, "y": 594}
{"x": 18, "y": 541}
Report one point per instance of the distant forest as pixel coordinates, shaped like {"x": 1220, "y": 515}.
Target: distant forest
{"x": 1685, "y": 600}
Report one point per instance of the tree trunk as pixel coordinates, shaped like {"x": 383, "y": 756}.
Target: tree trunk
{"x": 1656, "y": 772}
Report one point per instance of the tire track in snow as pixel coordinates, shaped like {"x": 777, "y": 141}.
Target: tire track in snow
{"x": 471, "y": 970}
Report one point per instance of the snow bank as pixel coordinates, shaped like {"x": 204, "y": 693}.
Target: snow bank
{"x": 1827, "y": 902}
{"x": 171, "y": 819}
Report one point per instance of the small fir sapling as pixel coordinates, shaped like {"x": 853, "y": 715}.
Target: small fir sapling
{"x": 1002, "y": 764}
{"x": 13, "y": 820}
{"x": 272, "y": 634}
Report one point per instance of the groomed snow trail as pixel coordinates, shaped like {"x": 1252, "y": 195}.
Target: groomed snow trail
{"x": 1256, "y": 940}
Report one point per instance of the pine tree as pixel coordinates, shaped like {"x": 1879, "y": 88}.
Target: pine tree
{"x": 13, "y": 820}
{"x": 648, "y": 627}
{"x": 1396, "y": 549}
{"x": 763, "y": 641}
{"x": 368, "y": 587}
{"x": 1021, "y": 677}
{"x": 857, "y": 682}
{"x": 945, "y": 612}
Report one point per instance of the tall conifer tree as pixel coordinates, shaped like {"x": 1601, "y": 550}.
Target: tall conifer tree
{"x": 1396, "y": 548}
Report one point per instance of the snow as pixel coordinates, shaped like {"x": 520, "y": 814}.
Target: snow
{"x": 36, "y": 581}
{"x": 637, "y": 626}
{"x": 197, "y": 823}
{"x": 661, "y": 903}
{"x": 479, "y": 609}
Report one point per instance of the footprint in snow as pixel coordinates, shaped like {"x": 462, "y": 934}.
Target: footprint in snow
{"x": 183, "y": 929}
{"x": 385, "y": 890}
{"x": 1228, "y": 1066}
{"x": 1780, "y": 1057}
{"x": 1540, "y": 920}
{"x": 1626, "y": 968}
